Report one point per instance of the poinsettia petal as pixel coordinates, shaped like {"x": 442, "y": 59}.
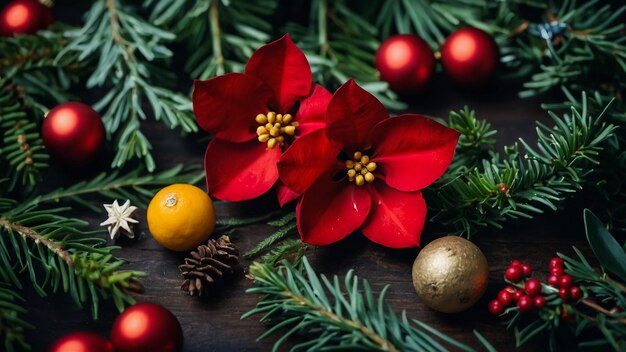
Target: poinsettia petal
{"x": 412, "y": 151}
{"x": 283, "y": 66}
{"x": 312, "y": 112}
{"x": 240, "y": 171}
{"x": 396, "y": 219}
{"x": 285, "y": 194}
{"x": 227, "y": 105}
{"x": 306, "y": 159}
{"x": 330, "y": 211}
{"x": 351, "y": 115}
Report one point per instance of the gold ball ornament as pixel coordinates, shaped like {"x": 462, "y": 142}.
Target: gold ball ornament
{"x": 450, "y": 274}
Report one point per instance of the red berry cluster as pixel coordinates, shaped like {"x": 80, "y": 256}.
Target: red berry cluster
{"x": 529, "y": 297}
{"x": 563, "y": 281}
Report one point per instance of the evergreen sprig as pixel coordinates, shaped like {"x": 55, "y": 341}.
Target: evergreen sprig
{"x": 341, "y": 317}
{"x": 12, "y": 324}
{"x": 125, "y": 49}
{"x": 285, "y": 226}
{"x": 22, "y": 155}
{"x": 340, "y": 44}
{"x": 56, "y": 253}
{"x": 525, "y": 181}
{"x": 220, "y": 35}
{"x": 136, "y": 186}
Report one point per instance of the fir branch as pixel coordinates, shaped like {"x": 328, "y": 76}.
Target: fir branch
{"x": 291, "y": 250}
{"x": 285, "y": 226}
{"x": 136, "y": 186}
{"x": 12, "y": 325}
{"x": 522, "y": 184}
{"x": 340, "y": 44}
{"x": 22, "y": 155}
{"x": 476, "y": 141}
{"x": 336, "y": 317}
{"x": 236, "y": 28}
{"x": 55, "y": 253}
{"x": 125, "y": 48}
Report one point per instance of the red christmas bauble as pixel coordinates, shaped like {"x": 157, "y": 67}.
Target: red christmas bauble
{"x": 469, "y": 56}
{"x": 81, "y": 342}
{"x": 147, "y": 327}
{"x": 406, "y": 62}
{"x": 73, "y": 132}
{"x": 24, "y": 17}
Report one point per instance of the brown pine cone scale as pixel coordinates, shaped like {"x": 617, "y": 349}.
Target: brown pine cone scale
{"x": 208, "y": 265}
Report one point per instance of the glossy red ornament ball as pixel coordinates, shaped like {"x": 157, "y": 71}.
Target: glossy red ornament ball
{"x": 406, "y": 62}
{"x": 147, "y": 327}
{"x": 495, "y": 307}
{"x": 73, "y": 132}
{"x": 469, "y": 56}
{"x": 81, "y": 342}
{"x": 24, "y": 17}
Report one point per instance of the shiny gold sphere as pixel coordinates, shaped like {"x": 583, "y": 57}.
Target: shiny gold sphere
{"x": 450, "y": 274}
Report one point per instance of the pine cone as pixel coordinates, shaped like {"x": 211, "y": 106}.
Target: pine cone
{"x": 208, "y": 265}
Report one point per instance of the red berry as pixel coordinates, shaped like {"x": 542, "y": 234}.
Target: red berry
{"x": 517, "y": 295}
{"x": 514, "y": 274}
{"x": 510, "y": 289}
{"x": 576, "y": 293}
{"x": 565, "y": 315}
{"x": 564, "y": 293}
{"x": 533, "y": 287}
{"x": 558, "y": 271}
{"x": 554, "y": 280}
{"x": 539, "y": 302}
{"x": 516, "y": 262}
{"x": 556, "y": 263}
{"x": 495, "y": 307}
{"x": 505, "y": 297}
{"x": 502, "y": 187}
{"x": 525, "y": 303}
{"x": 615, "y": 310}
{"x": 527, "y": 269}
{"x": 566, "y": 281}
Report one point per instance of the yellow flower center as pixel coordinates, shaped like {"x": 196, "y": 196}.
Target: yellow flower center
{"x": 360, "y": 169}
{"x": 274, "y": 128}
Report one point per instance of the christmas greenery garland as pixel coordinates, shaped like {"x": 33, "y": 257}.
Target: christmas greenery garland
{"x": 577, "y": 47}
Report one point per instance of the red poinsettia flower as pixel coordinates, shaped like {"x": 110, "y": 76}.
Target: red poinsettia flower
{"x": 254, "y": 116}
{"x": 365, "y": 171}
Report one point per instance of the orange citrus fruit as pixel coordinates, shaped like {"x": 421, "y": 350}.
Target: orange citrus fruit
{"x": 181, "y": 217}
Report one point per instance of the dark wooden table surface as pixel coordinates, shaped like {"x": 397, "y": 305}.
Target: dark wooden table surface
{"x": 215, "y": 325}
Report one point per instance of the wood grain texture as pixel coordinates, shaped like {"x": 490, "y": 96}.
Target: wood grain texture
{"x": 215, "y": 325}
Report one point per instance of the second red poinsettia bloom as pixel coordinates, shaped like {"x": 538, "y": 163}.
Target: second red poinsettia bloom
{"x": 254, "y": 116}
{"x": 366, "y": 171}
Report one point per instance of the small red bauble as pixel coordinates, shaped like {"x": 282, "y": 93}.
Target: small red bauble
{"x": 556, "y": 263}
{"x": 532, "y": 287}
{"x": 24, "y": 17}
{"x": 147, "y": 327}
{"x": 539, "y": 302}
{"x": 525, "y": 303}
{"x": 406, "y": 62}
{"x": 576, "y": 293}
{"x": 495, "y": 307}
{"x": 514, "y": 273}
{"x": 469, "y": 56}
{"x": 505, "y": 297}
{"x": 81, "y": 342}
{"x": 73, "y": 132}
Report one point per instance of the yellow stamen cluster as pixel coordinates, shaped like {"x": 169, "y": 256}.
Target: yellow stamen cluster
{"x": 274, "y": 127}
{"x": 360, "y": 169}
